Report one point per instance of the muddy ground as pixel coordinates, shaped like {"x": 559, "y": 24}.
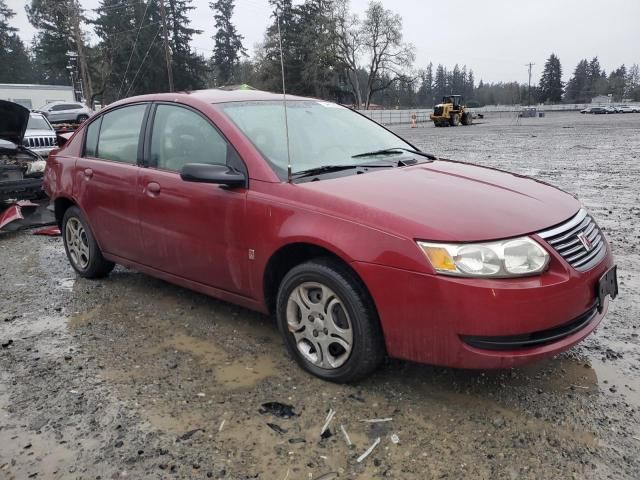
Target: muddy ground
{"x": 131, "y": 377}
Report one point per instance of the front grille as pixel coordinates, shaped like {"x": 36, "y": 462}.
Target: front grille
{"x": 437, "y": 111}
{"x": 39, "y": 142}
{"x": 578, "y": 240}
{"x": 533, "y": 339}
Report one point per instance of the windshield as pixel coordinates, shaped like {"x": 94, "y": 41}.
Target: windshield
{"x": 36, "y": 122}
{"x": 320, "y": 133}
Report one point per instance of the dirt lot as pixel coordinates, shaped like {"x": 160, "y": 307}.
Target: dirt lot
{"x": 131, "y": 377}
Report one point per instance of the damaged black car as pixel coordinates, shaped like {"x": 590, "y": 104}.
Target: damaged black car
{"x": 21, "y": 169}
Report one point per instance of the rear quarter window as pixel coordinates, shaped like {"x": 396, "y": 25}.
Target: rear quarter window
{"x": 91, "y": 138}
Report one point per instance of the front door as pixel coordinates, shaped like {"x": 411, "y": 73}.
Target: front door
{"x": 106, "y": 180}
{"x": 193, "y": 230}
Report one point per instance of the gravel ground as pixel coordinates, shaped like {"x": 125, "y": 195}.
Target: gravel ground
{"x": 133, "y": 377}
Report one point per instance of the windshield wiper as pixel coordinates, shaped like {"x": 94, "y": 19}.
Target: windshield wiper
{"x": 338, "y": 168}
{"x": 394, "y": 151}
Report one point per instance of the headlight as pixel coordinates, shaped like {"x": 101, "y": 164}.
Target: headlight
{"x": 507, "y": 258}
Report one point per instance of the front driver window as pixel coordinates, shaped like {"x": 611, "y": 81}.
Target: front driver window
{"x": 181, "y": 136}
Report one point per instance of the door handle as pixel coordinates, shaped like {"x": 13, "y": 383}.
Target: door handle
{"x": 88, "y": 173}
{"x": 153, "y": 189}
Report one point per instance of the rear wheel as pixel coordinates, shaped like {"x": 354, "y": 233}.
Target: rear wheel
{"x": 467, "y": 118}
{"x": 82, "y": 118}
{"x": 329, "y": 322}
{"x": 455, "y": 119}
{"x": 82, "y": 249}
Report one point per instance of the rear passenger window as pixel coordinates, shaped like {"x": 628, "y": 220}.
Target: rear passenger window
{"x": 120, "y": 133}
{"x": 91, "y": 139}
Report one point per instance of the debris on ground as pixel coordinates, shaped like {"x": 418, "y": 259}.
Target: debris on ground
{"x": 48, "y": 232}
{"x": 327, "y": 421}
{"x": 276, "y": 428}
{"x": 368, "y": 451}
{"x": 346, "y": 435}
{"x": 189, "y": 434}
{"x": 377, "y": 420}
{"x": 277, "y": 409}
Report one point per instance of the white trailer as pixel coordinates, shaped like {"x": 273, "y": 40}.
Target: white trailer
{"x": 34, "y": 96}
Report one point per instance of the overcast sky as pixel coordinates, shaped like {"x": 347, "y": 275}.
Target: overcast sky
{"x": 496, "y": 38}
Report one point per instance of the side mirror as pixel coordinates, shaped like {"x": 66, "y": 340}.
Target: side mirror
{"x": 217, "y": 174}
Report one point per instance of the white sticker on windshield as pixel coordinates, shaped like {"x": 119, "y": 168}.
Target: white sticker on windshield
{"x": 329, "y": 104}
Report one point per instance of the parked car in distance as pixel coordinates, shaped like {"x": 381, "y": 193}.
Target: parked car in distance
{"x": 596, "y": 110}
{"x": 40, "y": 137}
{"x": 360, "y": 244}
{"x": 626, "y": 109}
{"x": 66, "y": 112}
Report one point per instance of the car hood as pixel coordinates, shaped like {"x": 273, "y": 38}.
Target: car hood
{"x": 446, "y": 201}
{"x": 13, "y": 121}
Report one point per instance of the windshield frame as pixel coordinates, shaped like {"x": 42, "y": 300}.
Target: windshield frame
{"x": 282, "y": 173}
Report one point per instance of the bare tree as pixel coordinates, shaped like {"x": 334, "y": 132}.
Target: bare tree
{"x": 389, "y": 56}
{"x": 349, "y": 46}
{"x": 378, "y": 39}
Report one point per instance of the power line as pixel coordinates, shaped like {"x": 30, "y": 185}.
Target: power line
{"x": 142, "y": 63}
{"x": 131, "y": 29}
{"x": 167, "y": 52}
{"x": 133, "y": 49}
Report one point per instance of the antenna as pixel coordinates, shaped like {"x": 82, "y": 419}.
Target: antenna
{"x": 284, "y": 98}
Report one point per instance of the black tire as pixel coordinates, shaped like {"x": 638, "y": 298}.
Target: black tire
{"x": 95, "y": 266}
{"x": 455, "y": 119}
{"x": 467, "y": 118}
{"x": 82, "y": 118}
{"x": 367, "y": 351}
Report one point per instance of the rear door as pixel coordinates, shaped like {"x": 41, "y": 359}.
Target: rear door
{"x": 106, "y": 179}
{"x": 193, "y": 230}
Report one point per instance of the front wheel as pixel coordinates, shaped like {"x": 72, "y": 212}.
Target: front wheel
{"x": 82, "y": 249}
{"x": 455, "y": 120}
{"x": 329, "y": 322}
{"x": 81, "y": 118}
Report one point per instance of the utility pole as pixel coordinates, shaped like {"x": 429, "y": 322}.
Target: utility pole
{"x": 167, "y": 51}
{"x": 529, "y": 91}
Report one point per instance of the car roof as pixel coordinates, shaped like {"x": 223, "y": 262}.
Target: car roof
{"x": 214, "y": 95}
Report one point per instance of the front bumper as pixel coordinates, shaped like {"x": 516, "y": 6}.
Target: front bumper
{"x": 435, "y": 319}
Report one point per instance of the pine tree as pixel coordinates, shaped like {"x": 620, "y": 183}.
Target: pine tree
{"x": 59, "y": 27}
{"x": 578, "y": 85}
{"x": 550, "y": 86}
{"x": 132, "y": 56}
{"x": 617, "y": 83}
{"x": 188, "y": 68}
{"x": 632, "y": 83}
{"x": 14, "y": 58}
{"x": 470, "y": 87}
{"x": 425, "y": 91}
{"x": 228, "y": 49}
{"x": 440, "y": 83}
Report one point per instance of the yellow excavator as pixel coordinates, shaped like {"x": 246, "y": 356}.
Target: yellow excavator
{"x": 451, "y": 112}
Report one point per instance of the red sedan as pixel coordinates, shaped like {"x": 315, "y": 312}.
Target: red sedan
{"x": 365, "y": 247}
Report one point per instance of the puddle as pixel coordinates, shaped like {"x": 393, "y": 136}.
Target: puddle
{"x": 25, "y": 453}
{"x": 563, "y": 374}
{"x": 233, "y": 373}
